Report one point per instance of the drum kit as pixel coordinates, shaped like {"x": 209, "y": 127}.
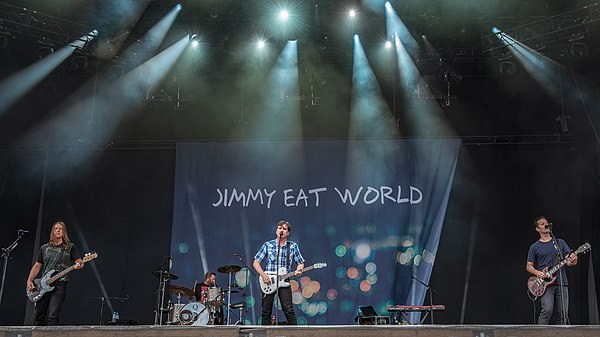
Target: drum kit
{"x": 207, "y": 311}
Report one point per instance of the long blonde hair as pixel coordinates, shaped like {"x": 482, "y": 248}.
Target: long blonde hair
{"x": 65, "y": 237}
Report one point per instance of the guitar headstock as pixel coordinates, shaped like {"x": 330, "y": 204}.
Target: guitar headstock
{"x": 320, "y": 265}
{"x": 583, "y": 248}
{"x": 89, "y": 256}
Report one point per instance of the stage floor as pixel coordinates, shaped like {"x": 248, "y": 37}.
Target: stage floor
{"x": 306, "y": 331}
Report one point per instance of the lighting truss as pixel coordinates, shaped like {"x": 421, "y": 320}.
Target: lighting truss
{"x": 29, "y": 22}
{"x": 561, "y": 138}
{"x": 562, "y": 27}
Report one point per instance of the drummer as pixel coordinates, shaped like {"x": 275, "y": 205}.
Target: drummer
{"x": 209, "y": 281}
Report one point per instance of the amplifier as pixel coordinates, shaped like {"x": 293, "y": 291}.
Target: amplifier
{"x": 373, "y": 320}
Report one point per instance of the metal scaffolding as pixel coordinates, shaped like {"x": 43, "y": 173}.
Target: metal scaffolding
{"x": 570, "y": 27}
{"x": 46, "y": 28}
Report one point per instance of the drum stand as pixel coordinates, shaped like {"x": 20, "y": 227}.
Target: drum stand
{"x": 160, "y": 300}
{"x": 229, "y": 299}
{"x": 176, "y": 307}
{"x": 241, "y": 307}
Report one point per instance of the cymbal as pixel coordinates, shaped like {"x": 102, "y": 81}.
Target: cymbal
{"x": 180, "y": 290}
{"x": 165, "y": 274}
{"x": 229, "y": 269}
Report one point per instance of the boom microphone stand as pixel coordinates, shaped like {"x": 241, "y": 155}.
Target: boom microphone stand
{"x": 6, "y": 255}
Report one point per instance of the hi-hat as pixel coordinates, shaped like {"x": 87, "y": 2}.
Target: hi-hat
{"x": 180, "y": 290}
{"x": 229, "y": 269}
{"x": 165, "y": 274}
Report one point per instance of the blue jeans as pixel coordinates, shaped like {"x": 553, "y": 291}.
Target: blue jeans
{"x": 552, "y": 301}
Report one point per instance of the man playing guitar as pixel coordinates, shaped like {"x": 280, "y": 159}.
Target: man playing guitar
{"x": 545, "y": 253}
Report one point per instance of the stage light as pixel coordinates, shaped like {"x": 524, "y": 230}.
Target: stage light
{"x": 579, "y": 49}
{"x": 77, "y": 63}
{"x": 507, "y": 68}
{"x": 194, "y": 40}
{"x": 115, "y": 71}
{"x": 284, "y": 15}
{"x": 44, "y": 49}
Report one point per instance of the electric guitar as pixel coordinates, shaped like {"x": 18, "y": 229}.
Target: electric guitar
{"x": 537, "y": 286}
{"x": 43, "y": 284}
{"x": 272, "y": 287}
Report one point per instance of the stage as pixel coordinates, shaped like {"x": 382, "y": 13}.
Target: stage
{"x": 306, "y": 331}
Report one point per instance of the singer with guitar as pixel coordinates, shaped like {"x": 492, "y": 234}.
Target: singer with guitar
{"x": 546, "y": 253}
{"x": 58, "y": 254}
{"x": 288, "y": 254}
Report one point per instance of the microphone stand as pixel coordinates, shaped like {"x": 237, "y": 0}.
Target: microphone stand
{"x": 277, "y": 278}
{"x": 561, "y": 257}
{"x": 431, "y": 290}
{"x": 6, "y": 255}
{"x": 103, "y": 298}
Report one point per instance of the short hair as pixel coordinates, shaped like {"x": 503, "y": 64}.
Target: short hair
{"x": 209, "y": 274}
{"x": 284, "y": 222}
{"x": 535, "y": 222}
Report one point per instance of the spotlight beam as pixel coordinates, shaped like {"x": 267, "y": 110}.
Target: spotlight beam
{"x": 147, "y": 46}
{"x": 369, "y": 113}
{"x": 396, "y": 28}
{"x": 19, "y": 84}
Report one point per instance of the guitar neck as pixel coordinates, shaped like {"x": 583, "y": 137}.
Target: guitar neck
{"x": 61, "y": 274}
{"x": 557, "y": 267}
{"x": 579, "y": 250}
{"x": 283, "y": 277}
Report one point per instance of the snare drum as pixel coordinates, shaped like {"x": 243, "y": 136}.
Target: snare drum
{"x": 213, "y": 296}
{"x": 174, "y": 311}
{"x": 194, "y": 313}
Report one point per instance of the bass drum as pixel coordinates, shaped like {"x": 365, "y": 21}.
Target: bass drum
{"x": 194, "y": 313}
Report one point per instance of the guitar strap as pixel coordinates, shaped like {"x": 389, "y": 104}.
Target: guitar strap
{"x": 288, "y": 258}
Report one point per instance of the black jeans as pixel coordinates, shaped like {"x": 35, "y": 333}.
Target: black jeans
{"x": 552, "y": 301}
{"x": 285, "y": 296}
{"x": 47, "y": 309}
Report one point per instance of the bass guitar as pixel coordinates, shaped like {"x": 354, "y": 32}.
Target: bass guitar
{"x": 44, "y": 284}
{"x": 537, "y": 285}
{"x": 272, "y": 286}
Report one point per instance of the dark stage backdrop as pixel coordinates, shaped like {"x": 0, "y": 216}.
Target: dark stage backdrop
{"x": 121, "y": 203}
{"x": 372, "y": 210}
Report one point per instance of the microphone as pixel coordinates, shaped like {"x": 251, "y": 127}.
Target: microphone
{"x": 23, "y": 231}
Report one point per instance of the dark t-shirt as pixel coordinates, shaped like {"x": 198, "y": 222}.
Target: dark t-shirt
{"x": 57, "y": 258}
{"x": 543, "y": 254}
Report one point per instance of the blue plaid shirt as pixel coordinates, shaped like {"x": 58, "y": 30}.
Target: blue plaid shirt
{"x": 268, "y": 251}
